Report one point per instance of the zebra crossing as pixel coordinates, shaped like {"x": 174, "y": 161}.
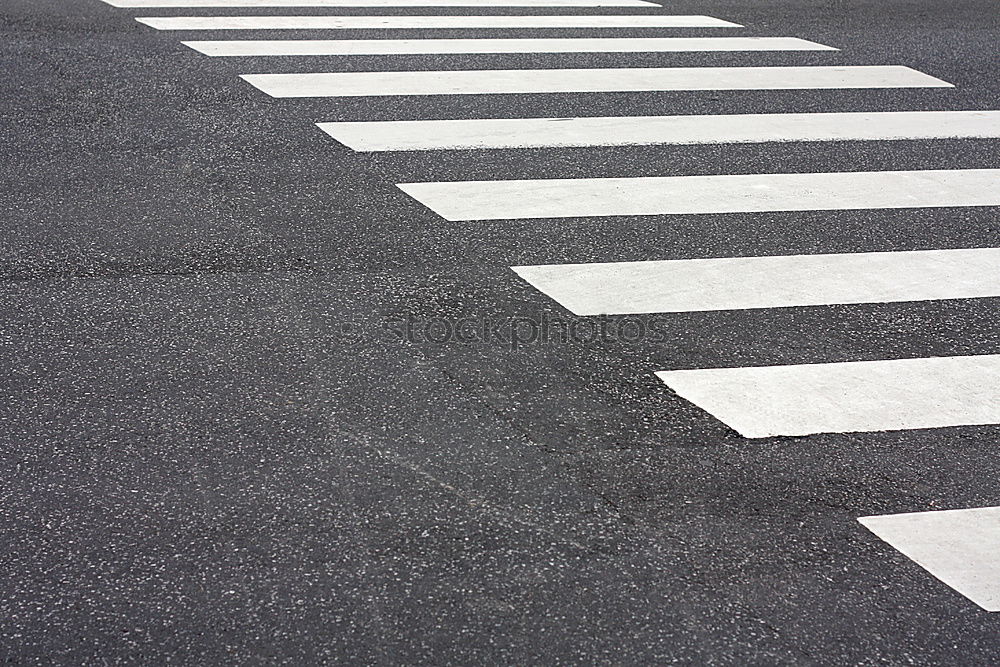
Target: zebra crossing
{"x": 846, "y": 397}
{"x": 958, "y": 546}
{"x": 690, "y": 195}
{"x": 426, "y": 22}
{"x": 387, "y": 47}
{"x": 169, "y": 4}
{"x": 740, "y": 283}
{"x": 604, "y": 80}
{"x": 494, "y": 133}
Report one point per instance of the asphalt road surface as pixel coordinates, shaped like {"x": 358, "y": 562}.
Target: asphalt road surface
{"x": 262, "y": 405}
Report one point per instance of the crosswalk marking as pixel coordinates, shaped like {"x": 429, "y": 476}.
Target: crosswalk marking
{"x": 426, "y": 22}
{"x": 354, "y": 47}
{"x": 959, "y": 547}
{"x": 673, "y": 195}
{"x": 493, "y": 133}
{"x": 137, "y": 4}
{"x": 734, "y": 283}
{"x": 790, "y": 400}
{"x": 845, "y": 397}
{"x": 473, "y": 82}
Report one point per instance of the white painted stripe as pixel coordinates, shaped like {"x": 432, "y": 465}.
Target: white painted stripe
{"x": 414, "y": 135}
{"x": 896, "y": 394}
{"x": 736, "y": 283}
{"x": 959, "y": 547}
{"x": 671, "y": 195}
{"x": 378, "y": 47}
{"x": 425, "y": 22}
{"x": 473, "y": 82}
{"x": 131, "y": 4}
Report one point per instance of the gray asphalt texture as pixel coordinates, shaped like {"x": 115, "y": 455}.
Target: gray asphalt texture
{"x": 217, "y": 449}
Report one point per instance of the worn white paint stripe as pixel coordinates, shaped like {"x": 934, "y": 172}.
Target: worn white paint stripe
{"x": 734, "y": 283}
{"x": 472, "y": 82}
{"x": 897, "y": 394}
{"x": 588, "y": 197}
{"x": 959, "y": 547}
{"x": 134, "y": 4}
{"x": 378, "y": 47}
{"x": 426, "y": 22}
{"x": 415, "y": 135}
